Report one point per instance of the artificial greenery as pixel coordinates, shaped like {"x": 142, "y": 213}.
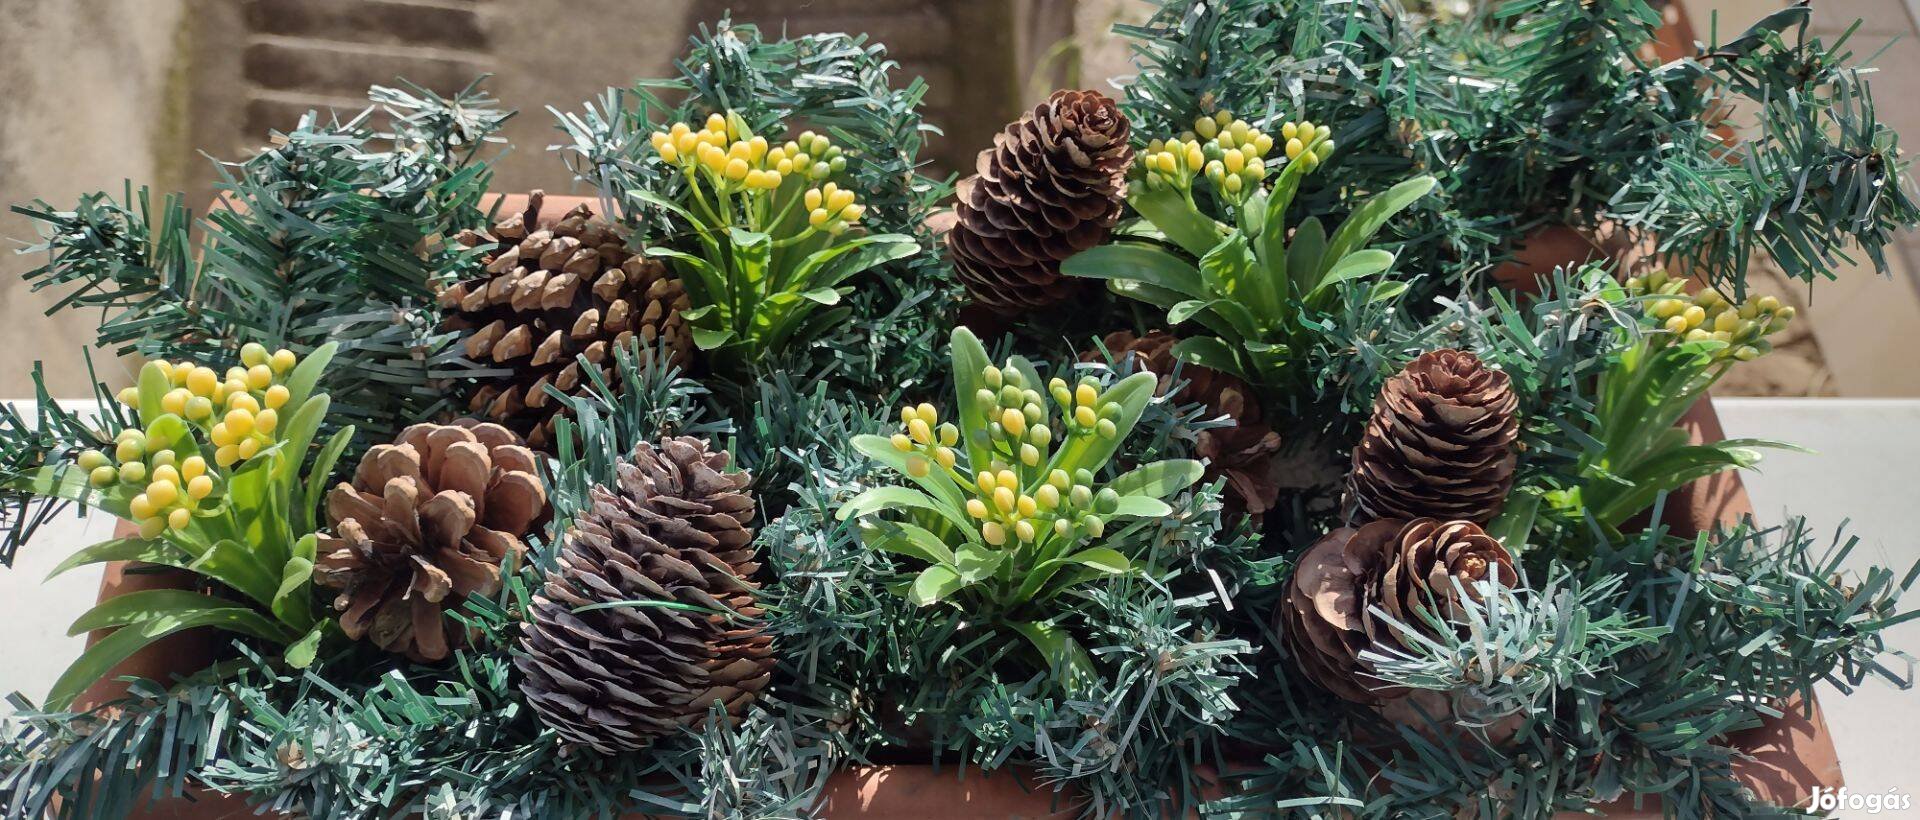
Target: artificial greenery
{"x": 335, "y": 232}
{"x": 228, "y": 494}
{"x": 1260, "y": 285}
{"x": 1126, "y": 666}
{"x": 1017, "y": 522}
{"x": 771, "y": 226}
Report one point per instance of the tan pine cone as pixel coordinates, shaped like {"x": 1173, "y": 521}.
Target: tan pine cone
{"x": 1326, "y": 615}
{"x": 1440, "y": 443}
{"x": 1051, "y": 186}
{"x": 1242, "y": 453}
{"x": 550, "y": 294}
{"x": 603, "y": 664}
{"x": 427, "y": 521}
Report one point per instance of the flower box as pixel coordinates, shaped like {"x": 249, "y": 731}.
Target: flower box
{"x": 1788, "y": 756}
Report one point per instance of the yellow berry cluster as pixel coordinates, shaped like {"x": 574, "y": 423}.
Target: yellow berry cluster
{"x": 736, "y": 160}
{"x": 1017, "y": 494}
{"x": 1230, "y": 153}
{"x": 239, "y": 412}
{"x": 1708, "y": 316}
{"x": 174, "y": 485}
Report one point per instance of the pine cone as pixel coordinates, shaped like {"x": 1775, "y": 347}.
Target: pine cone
{"x": 1440, "y": 443}
{"x": 549, "y": 295}
{"x": 1050, "y": 187}
{"x": 1242, "y": 453}
{"x": 426, "y": 522}
{"x": 1403, "y": 567}
{"x": 674, "y": 530}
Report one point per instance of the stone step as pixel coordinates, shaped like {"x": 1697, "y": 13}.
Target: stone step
{"x": 370, "y": 21}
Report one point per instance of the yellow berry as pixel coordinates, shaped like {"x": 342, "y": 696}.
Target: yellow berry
{"x": 202, "y": 381}
{"x": 985, "y": 481}
{"x": 199, "y": 487}
{"x": 1014, "y": 422}
{"x": 277, "y": 396}
{"x": 128, "y": 451}
{"x": 232, "y": 388}
{"x": 102, "y": 476}
{"x": 944, "y": 456}
{"x": 918, "y": 466}
{"x": 919, "y": 430}
{"x": 993, "y": 533}
{"x": 141, "y": 506}
{"x": 133, "y": 472}
{"x": 199, "y": 408}
{"x": 179, "y": 518}
{"x": 193, "y": 467}
{"x": 1676, "y": 324}
{"x": 175, "y": 401}
{"x": 1695, "y": 315}
{"x": 1026, "y": 505}
{"x": 265, "y": 421}
{"x": 1007, "y": 480}
{"x": 1084, "y": 416}
{"x": 91, "y": 459}
{"x": 259, "y": 376}
{"x": 1029, "y": 455}
{"x": 282, "y": 361}
{"x": 162, "y": 493}
{"x": 977, "y": 508}
{"x": 226, "y": 455}
{"x": 129, "y": 396}
{"x": 949, "y": 435}
{"x": 1003, "y": 499}
{"x": 221, "y": 435}
{"x": 239, "y": 422}
{"x": 1048, "y": 496}
{"x": 902, "y": 443}
{"x": 248, "y": 447}
{"x": 167, "y": 473}
{"x": 152, "y": 527}
{"x": 255, "y": 353}
{"x": 1086, "y": 394}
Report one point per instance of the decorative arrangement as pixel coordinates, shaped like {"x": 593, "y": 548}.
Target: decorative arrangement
{"x": 695, "y": 498}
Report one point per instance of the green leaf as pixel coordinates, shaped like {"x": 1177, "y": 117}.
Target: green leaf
{"x": 152, "y": 385}
{"x": 1383, "y": 291}
{"x": 975, "y": 561}
{"x": 1169, "y": 211}
{"x": 900, "y": 498}
{"x": 1303, "y": 256}
{"x": 144, "y": 550}
{"x": 934, "y": 583}
{"x": 1092, "y": 452}
{"x": 824, "y": 296}
{"x": 1185, "y": 310}
{"x": 1144, "y": 263}
{"x": 317, "y": 476}
{"x": 1369, "y": 218}
{"x": 936, "y": 482}
{"x": 841, "y": 262}
{"x": 239, "y": 566}
{"x": 711, "y": 339}
{"x": 1071, "y": 664}
{"x": 1140, "y": 506}
{"x": 1159, "y": 479}
{"x": 969, "y": 361}
{"x": 153, "y": 604}
{"x": 306, "y": 375}
{"x": 1207, "y": 351}
{"x": 1356, "y": 265}
{"x": 1101, "y": 559}
{"x": 901, "y": 538}
{"x": 301, "y": 653}
{"x": 100, "y": 658}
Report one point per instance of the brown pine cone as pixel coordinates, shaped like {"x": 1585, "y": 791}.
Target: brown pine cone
{"x": 426, "y": 522}
{"x": 1440, "y": 443}
{"x": 1242, "y": 453}
{"x": 1050, "y": 187}
{"x": 550, "y": 294}
{"x": 1398, "y": 566}
{"x": 666, "y": 556}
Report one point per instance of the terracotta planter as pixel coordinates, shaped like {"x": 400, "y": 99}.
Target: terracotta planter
{"x": 1791, "y": 755}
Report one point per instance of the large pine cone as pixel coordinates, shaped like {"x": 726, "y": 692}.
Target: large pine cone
{"x": 1242, "y": 453}
{"x": 1050, "y": 187}
{"x": 550, "y": 295}
{"x": 1439, "y": 445}
{"x": 673, "y": 531}
{"x": 1406, "y": 568}
{"x": 426, "y": 522}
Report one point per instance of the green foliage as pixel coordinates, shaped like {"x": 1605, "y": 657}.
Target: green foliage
{"x": 1040, "y": 520}
{"x": 55, "y": 433}
{"x": 240, "y": 518}
{"x": 1261, "y": 287}
{"x": 843, "y": 87}
{"x": 334, "y": 233}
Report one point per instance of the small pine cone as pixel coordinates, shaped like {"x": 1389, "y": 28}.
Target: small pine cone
{"x": 550, "y": 294}
{"x": 426, "y": 522}
{"x": 1327, "y": 613}
{"x": 1242, "y": 453}
{"x": 1050, "y": 187}
{"x": 674, "y": 531}
{"x": 1440, "y": 443}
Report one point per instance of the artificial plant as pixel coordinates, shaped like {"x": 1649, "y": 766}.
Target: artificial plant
{"x": 772, "y": 228}
{"x": 1257, "y": 283}
{"x": 1010, "y": 515}
{"x": 215, "y": 483}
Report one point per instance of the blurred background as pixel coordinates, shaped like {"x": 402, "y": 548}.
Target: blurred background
{"x": 100, "y": 91}
{"x": 94, "y": 92}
